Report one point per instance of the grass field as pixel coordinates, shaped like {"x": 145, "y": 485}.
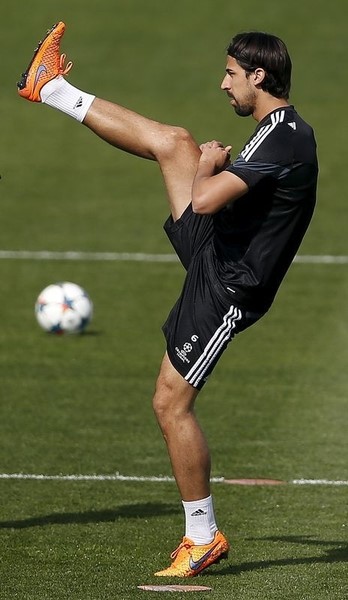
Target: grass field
{"x": 276, "y": 404}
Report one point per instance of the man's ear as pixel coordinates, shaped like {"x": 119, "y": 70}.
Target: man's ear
{"x": 258, "y": 76}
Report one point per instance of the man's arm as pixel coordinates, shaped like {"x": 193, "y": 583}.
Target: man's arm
{"x": 213, "y": 187}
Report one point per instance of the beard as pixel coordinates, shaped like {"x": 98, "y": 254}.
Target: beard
{"x": 243, "y": 110}
{"x": 245, "y": 107}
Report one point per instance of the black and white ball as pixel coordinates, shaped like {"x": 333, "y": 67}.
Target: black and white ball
{"x": 63, "y": 308}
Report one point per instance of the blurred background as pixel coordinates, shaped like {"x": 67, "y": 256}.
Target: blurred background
{"x": 165, "y": 60}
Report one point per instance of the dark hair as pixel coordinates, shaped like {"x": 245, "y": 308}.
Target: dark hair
{"x": 256, "y": 49}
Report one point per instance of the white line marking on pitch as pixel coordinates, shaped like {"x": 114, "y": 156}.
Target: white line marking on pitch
{"x": 141, "y": 257}
{"x": 319, "y": 482}
{"x": 163, "y": 479}
{"x": 114, "y": 477}
{"x": 92, "y": 256}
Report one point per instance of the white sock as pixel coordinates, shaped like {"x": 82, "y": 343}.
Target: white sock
{"x": 60, "y": 94}
{"x": 200, "y": 524}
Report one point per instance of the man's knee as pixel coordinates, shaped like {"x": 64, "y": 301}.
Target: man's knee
{"x": 174, "y": 140}
{"x": 164, "y": 398}
{"x": 174, "y": 397}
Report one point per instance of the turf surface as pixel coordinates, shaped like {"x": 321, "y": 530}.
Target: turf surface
{"x": 276, "y": 405}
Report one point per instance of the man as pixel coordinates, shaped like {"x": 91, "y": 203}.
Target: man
{"x": 235, "y": 227}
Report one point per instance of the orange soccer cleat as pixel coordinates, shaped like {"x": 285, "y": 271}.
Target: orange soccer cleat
{"x": 189, "y": 560}
{"x": 46, "y": 64}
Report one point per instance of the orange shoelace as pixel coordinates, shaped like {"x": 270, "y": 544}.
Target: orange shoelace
{"x": 184, "y": 544}
{"x": 64, "y": 70}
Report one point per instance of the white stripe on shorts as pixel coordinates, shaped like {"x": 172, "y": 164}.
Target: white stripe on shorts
{"x": 213, "y": 347}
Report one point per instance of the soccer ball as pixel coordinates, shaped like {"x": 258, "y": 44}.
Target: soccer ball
{"x": 63, "y": 308}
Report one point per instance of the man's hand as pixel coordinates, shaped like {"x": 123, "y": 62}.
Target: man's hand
{"x": 216, "y": 155}
{"x": 214, "y": 187}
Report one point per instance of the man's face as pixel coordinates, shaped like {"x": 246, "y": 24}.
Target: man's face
{"x": 239, "y": 88}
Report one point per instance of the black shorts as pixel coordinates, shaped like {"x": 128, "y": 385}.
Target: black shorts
{"x": 204, "y": 319}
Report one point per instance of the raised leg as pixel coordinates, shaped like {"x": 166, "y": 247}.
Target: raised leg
{"x": 172, "y": 147}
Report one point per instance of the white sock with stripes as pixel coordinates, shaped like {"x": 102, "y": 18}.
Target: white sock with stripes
{"x": 200, "y": 524}
{"x": 63, "y": 96}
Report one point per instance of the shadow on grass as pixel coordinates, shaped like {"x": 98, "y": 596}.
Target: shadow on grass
{"x": 335, "y": 552}
{"x": 128, "y": 511}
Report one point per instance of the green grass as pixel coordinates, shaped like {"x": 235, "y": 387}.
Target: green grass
{"x": 275, "y": 406}
{"x": 92, "y": 541}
